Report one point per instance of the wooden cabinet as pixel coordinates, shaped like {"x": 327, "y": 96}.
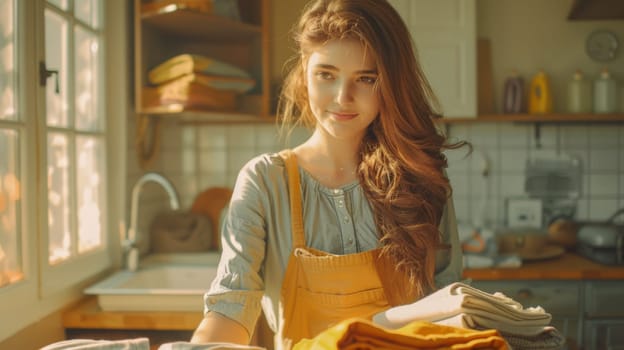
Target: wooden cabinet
{"x": 444, "y": 32}
{"x": 174, "y": 30}
{"x": 604, "y": 315}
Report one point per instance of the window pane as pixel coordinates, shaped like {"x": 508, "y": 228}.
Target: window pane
{"x": 10, "y": 194}
{"x": 87, "y": 81}
{"x": 59, "y": 3}
{"x": 56, "y": 59}
{"x": 91, "y": 182}
{"x": 59, "y": 226}
{"x": 7, "y": 60}
{"x": 88, "y": 11}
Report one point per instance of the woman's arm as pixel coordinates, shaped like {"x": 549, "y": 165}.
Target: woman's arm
{"x": 216, "y": 328}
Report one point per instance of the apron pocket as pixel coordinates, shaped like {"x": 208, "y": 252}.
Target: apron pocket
{"x": 319, "y": 311}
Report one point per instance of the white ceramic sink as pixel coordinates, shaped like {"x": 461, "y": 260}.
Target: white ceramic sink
{"x": 165, "y": 282}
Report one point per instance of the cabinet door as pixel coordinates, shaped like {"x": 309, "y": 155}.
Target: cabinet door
{"x": 604, "y": 334}
{"x": 444, "y": 32}
{"x": 604, "y": 299}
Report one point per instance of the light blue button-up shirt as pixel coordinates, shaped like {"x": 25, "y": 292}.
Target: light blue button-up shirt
{"x": 256, "y": 237}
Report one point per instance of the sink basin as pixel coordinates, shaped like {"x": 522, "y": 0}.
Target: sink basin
{"x": 164, "y": 282}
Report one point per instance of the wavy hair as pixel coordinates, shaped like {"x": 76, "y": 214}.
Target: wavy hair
{"x": 401, "y": 164}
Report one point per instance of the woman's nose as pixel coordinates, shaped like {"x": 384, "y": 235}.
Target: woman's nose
{"x": 344, "y": 92}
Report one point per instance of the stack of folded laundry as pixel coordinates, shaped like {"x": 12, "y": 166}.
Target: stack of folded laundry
{"x": 195, "y": 82}
{"x": 463, "y": 306}
{"x": 362, "y": 334}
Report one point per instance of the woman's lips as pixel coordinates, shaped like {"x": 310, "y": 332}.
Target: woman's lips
{"x": 343, "y": 115}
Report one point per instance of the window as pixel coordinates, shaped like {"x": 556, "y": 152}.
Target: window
{"x": 55, "y": 184}
{"x": 11, "y": 132}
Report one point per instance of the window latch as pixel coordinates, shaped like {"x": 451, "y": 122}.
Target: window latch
{"x": 45, "y": 73}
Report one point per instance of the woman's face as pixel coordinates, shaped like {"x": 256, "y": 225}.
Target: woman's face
{"x": 340, "y": 78}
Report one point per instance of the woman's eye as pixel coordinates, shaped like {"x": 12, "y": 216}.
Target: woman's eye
{"x": 368, "y": 80}
{"x": 324, "y": 75}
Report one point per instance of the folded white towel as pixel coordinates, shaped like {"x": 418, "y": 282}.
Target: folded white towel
{"x": 90, "y": 344}
{"x": 459, "y": 298}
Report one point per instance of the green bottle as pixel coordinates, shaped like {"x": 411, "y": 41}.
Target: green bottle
{"x": 579, "y": 94}
{"x": 605, "y": 93}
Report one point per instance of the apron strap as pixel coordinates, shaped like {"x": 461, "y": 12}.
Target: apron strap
{"x": 294, "y": 190}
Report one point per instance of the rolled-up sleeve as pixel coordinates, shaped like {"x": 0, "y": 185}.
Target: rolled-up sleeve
{"x": 238, "y": 288}
{"x": 449, "y": 266}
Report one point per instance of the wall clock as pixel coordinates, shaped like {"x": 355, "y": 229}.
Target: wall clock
{"x": 602, "y": 45}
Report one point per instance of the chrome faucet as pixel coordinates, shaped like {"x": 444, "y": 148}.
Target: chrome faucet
{"x": 129, "y": 244}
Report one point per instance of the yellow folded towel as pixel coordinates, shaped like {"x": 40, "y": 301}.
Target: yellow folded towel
{"x": 362, "y": 334}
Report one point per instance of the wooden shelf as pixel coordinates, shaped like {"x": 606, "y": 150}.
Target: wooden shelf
{"x": 191, "y": 24}
{"x": 208, "y": 117}
{"x": 534, "y": 118}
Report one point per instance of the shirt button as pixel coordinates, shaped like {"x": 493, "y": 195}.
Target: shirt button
{"x": 346, "y": 219}
{"x": 337, "y": 191}
{"x": 350, "y": 240}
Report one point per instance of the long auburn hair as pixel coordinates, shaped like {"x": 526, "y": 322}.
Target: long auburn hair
{"x": 401, "y": 166}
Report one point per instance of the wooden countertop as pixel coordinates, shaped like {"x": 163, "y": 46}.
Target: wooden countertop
{"x": 569, "y": 266}
{"x": 87, "y": 314}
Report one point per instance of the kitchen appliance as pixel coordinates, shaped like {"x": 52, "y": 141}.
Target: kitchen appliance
{"x": 603, "y": 242}
{"x": 555, "y": 179}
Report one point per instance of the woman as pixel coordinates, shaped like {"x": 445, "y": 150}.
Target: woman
{"x": 356, "y": 219}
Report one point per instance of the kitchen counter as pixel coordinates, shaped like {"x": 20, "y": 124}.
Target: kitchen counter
{"x": 87, "y": 314}
{"x": 569, "y": 266}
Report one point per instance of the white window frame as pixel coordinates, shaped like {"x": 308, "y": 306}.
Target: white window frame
{"x": 47, "y": 289}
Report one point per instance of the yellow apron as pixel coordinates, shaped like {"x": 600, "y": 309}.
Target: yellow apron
{"x": 320, "y": 289}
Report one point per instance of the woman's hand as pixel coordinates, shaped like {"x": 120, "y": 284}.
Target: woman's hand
{"x": 216, "y": 328}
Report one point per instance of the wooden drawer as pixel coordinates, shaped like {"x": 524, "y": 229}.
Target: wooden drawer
{"x": 604, "y": 299}
{"x": 560, "y": 298}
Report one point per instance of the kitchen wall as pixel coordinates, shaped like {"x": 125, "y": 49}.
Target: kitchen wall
{"x": 525, "y": 36}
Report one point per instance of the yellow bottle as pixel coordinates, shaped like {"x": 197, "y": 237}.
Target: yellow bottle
{"x": 540, "y": 97}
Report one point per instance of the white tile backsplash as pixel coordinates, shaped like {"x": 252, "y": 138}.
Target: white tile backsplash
{"x": 213, "y": 160}
{"x": 574, "y": 136}
{"x": 241, "y": 137}
{"x": 514, "y": 135}
{"x": 484, "y": 135}
{"x": 198, "y": 157}
{"x": 548, "y": 137}
{"x": 602, "y": 209}
{"x": 513, "y": 160}
{"x": 212, "y": 137}
{"x": 512, "y": 185}
{"x": 604, "y": 160}
{"x": 603, "y": 136}
{"x": 602, "y": 185}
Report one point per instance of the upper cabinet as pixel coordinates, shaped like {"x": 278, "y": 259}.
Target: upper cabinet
{"x": 231, "y": 34}
{"x": 444, "y": 32}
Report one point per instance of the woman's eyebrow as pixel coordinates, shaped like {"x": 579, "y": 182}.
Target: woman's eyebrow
{"x": 325, "y": 66}
{"x": 331, "y": 67}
